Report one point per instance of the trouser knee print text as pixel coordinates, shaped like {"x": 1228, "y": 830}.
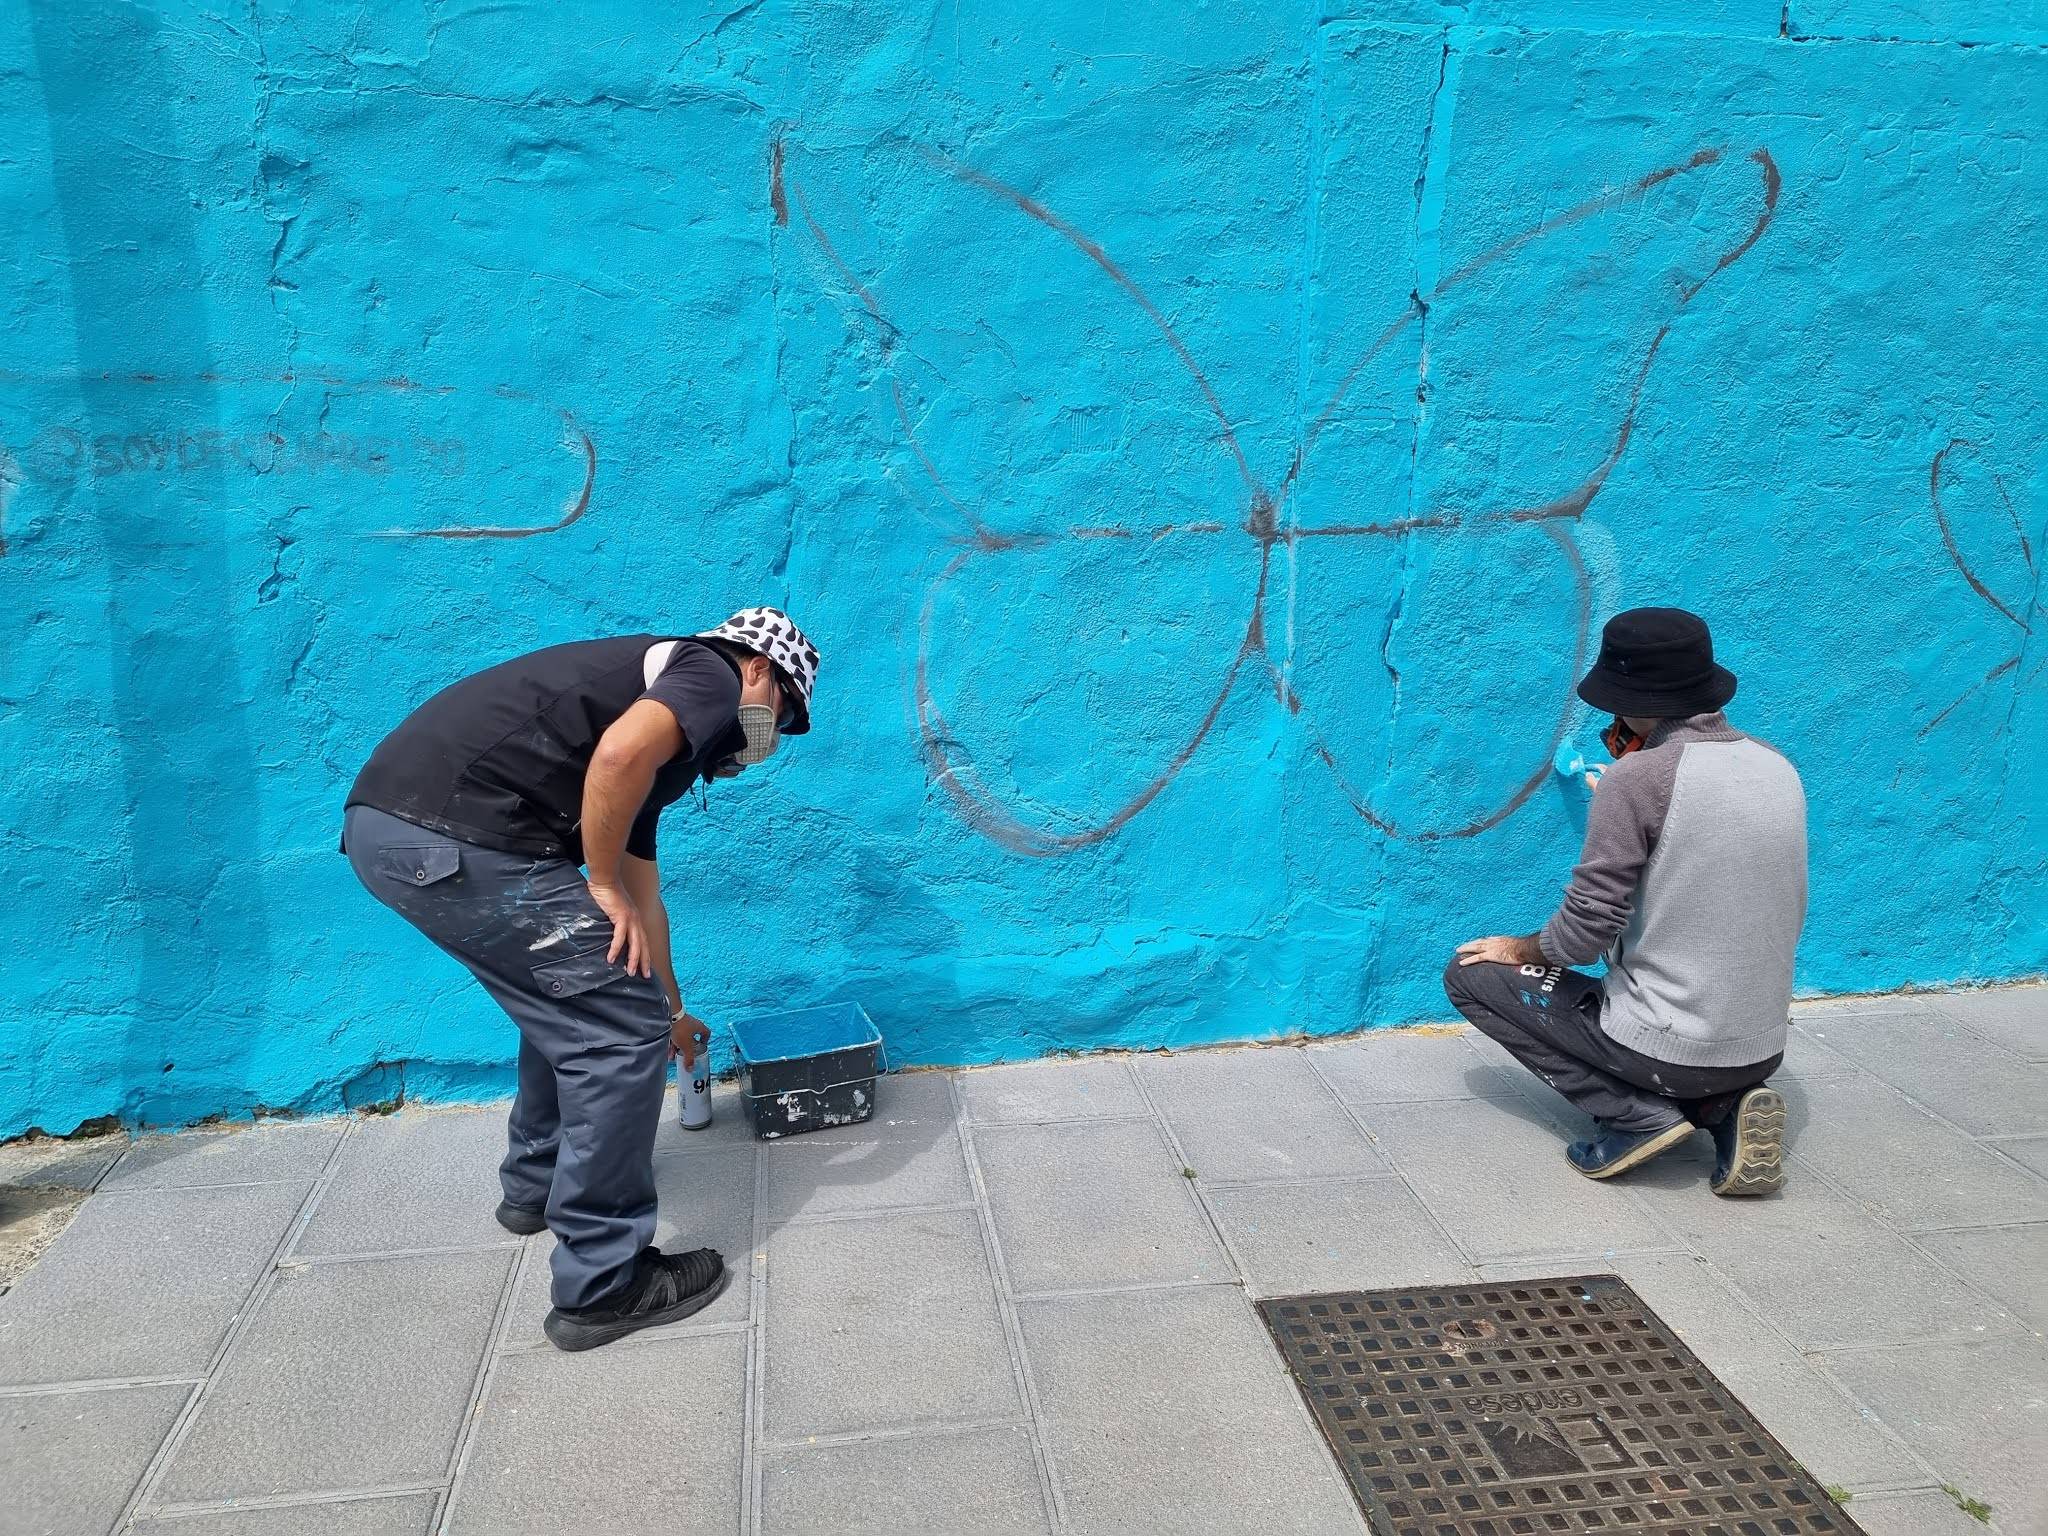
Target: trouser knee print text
{"x": 1548, "y": 1018}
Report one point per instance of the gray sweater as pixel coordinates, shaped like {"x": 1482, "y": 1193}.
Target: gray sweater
{"x": 1693, "y": 883}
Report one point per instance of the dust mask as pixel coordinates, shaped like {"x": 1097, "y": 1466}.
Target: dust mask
{"x": 763, "y": 734}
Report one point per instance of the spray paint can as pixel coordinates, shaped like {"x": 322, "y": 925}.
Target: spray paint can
{"x": 693, "y": 1084}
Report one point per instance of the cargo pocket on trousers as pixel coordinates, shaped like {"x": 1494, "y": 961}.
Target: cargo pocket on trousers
{"x": 576, "y": 974}
{"x": 616, "y": 1008}
{"x": 419, "y": 864}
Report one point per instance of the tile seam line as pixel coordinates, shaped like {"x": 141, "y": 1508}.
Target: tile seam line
{"x": 1884, "y": 1223}
{"x": 2013, "y": 1162}
{"x": 1799, "y": 1346}
{"x": 687, "y": 1152}
{"x": 143, "y": 1497}
{"x": 1351, "y": 1111}
{"x": 1913, "y": 1451}
{"x": 325, "y": 1181}
{"x": 1860, "y": 1344}
{"x": 1587, "y": 1264}
{"x": 325, "y": 1496}
{"x": 1304, "y": 1415}
{"x": 920, "y": 1429}
{"x": 1134, "y": 1288}
{"x": 753, "y": 1365}
{"x": 1506, "y": 1095}
{"x": 479, "y": 1389}
{"x": 1603, "y": 1262}
{"x": 1052, "y": 1498}
{"x": 1179, "y": 1153}
{"x": 186, "y": 1189}
{"x": 1296, "y": 1181}
{"x": 1813, "y": 1357}
{"x": 2018, "y": 1224}
{"x": 94, "y": 1384}
{"x": 1956, "y": 1021}
{"x": 646, "y": 1338}
{"x": 378, "y": 1255}
{"x": 1876, "y": 1491}
{"x": 1934, "y": 1114}
{"x": 869, "y": 1213}
{"x": 980, "y": 1125}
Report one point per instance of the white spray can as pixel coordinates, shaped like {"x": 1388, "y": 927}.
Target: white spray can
{"x": 693, "y": 1084}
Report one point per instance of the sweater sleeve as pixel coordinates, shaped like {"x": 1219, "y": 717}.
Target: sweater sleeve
{"x": 1621, "y": 832}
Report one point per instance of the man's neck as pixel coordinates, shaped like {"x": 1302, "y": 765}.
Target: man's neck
{"x": 1706, "y": 726}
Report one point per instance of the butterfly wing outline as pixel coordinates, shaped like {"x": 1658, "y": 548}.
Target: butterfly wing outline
{"x": 1983, "y": 538}
{"x": 1503, "y": 469}
{"x": 1144, "y": 668}
{"x": 985, "y": 788}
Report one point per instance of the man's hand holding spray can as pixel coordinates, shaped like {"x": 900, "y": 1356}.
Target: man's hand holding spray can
{"x": 1572, "y": 763}
{"x": 689, "y": 1040}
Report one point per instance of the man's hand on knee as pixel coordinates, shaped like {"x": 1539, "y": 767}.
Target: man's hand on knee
{"x": 1501, "y": 951}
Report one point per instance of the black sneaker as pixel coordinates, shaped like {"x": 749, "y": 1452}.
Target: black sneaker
{"x": 522, "y": 1219}
{"x": 1610, "y": 1151}
{"x": 664, "y": 1287}
{"x": 1749, "y": 1145}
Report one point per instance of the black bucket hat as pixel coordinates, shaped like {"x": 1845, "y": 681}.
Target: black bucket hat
{"x": 1657, "y": 662}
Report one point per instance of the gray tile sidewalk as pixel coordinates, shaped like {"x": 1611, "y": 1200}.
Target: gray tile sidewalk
{"x": 1020, "y": 1299}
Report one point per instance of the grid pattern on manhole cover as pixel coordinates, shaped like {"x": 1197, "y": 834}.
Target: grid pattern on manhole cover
{"x": 1533, "y": 1408}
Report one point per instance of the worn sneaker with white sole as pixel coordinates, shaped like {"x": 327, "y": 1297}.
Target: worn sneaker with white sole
{"x": 1610, "y": 1151}
{"x": 1749, "y": 1145}
{"x": 664, "y": 1288}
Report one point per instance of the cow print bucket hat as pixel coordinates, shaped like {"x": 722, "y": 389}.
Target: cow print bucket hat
{"x": 772, "y": 633}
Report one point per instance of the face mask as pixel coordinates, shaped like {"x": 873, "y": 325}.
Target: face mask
{"x": 762, "y": 732}
{"x": 1619, "y": 740}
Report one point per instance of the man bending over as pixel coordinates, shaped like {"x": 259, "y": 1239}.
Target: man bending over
{"x": 511, "y": 819}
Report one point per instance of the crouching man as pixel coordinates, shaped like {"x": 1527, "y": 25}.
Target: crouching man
{"x": 1693, "y": 885}
{"x": 470, "y": 821}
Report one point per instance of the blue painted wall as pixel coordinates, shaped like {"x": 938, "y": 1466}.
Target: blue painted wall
{"x": 1201, "y": 441}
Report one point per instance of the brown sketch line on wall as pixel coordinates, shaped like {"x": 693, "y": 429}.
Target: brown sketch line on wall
{"x": 1939, "y": 470}
{"x": 1262, "y": 520}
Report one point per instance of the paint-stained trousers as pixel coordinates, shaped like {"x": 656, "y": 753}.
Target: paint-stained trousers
{"x": 593, "y": 1041}
{"x": 1548, "y": 1018}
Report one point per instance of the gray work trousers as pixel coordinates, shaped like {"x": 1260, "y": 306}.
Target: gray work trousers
{"x": 1548, "y": 1018}
{"x": 593, "y": 1041}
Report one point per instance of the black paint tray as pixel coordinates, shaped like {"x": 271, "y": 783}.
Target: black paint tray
{"x": 810, "y": 1069}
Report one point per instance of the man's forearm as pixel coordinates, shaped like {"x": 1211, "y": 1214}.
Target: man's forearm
{"x": 642, "y": 879}
{"x": 657, "y": 937}
{"x": 613, "y": 791}
{"x": 1527, "y": 950}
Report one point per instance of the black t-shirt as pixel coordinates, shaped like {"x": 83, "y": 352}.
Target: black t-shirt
{"x": 498, "y": 759}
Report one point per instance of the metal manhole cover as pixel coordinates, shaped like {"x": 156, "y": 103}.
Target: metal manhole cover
{"x": 1537, "y": 1407}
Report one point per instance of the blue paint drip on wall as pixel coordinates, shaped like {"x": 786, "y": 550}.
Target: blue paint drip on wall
{"x": 1203, "y": 449}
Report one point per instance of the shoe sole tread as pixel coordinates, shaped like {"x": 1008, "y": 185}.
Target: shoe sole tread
{"x": 1758, "y": 1167}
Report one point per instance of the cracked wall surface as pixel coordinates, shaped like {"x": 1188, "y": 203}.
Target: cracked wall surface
{"x": 1203, "y": 445}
